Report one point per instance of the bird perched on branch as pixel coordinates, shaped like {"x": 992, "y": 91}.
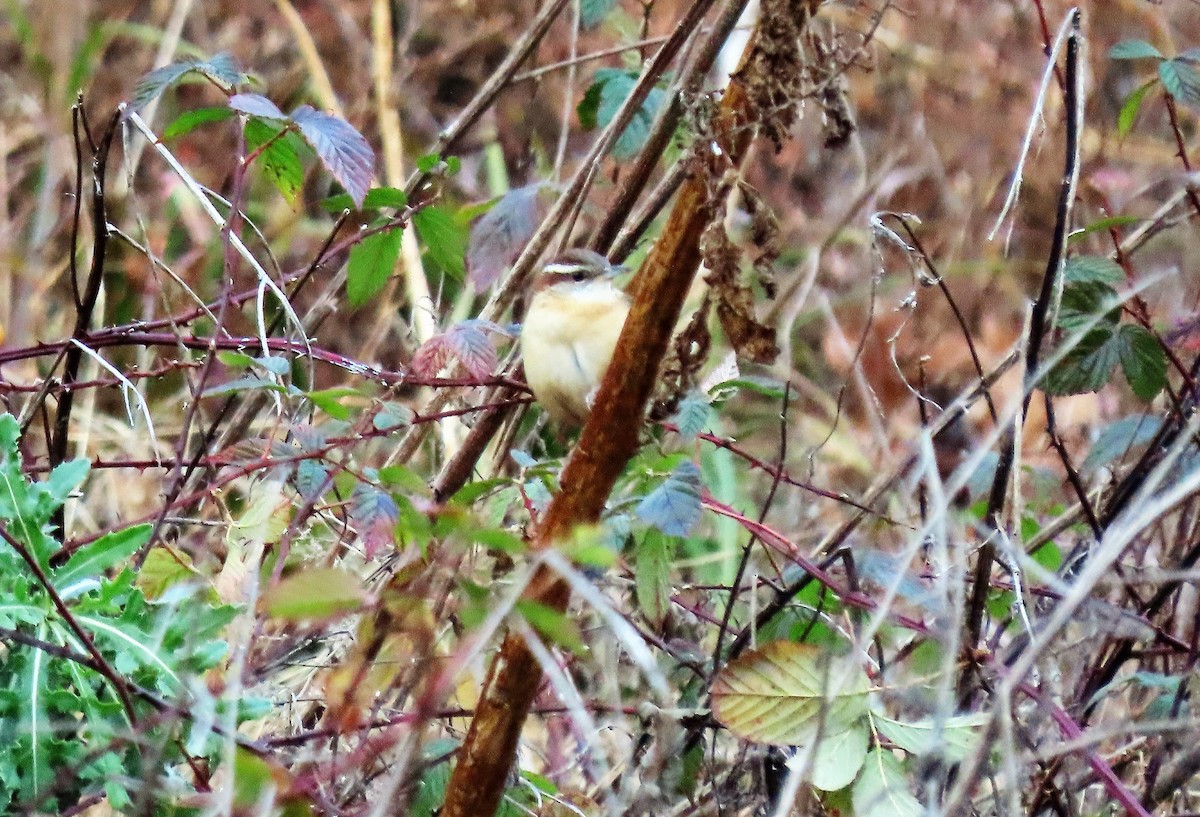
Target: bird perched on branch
{"x": 570, "y": 331}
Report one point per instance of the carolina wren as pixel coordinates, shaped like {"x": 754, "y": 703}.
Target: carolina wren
{"x": 569, "y": 332}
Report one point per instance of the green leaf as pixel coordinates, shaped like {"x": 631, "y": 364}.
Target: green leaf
{"x": 329, "y": 401}
{"x": 1082, "y": 303}
{"x": 280, "y": 156}
{"x": 444, "y": 238}
{"x": 1120, "y": 438}
{"x": 693, "y": 415}
{"x": 188, "y": 121}
{"x": 65, "y": 478}
{"x": 786, "y": 693}
{"x": 882, "y": 789}
{"x": 93, "y": 559}
{"x": 839, "y": 756}
{"x": 674, "y": 506}
{"x": 593, "y": 12}
{"x": 1130, "y": 109}
{"x": 392, "y": 415}
{"x": 953, "y": 738}
{"x": 551, "y": 624}
{"x": 314, "y": 594}
{"x": 1181, "y": 80}
{"x": 371, "y": 263}
{"x": 378, "y": 198}
{"x": 588, "y": 106}
{"x": 164, "y": 569}
{"x": 613, "y": 87}
{"x": 1143, "y": 361}
{"x": 235, "y": 360}
{"x": 221, "y": 69}
{"x": 431, "y": 791}
{"x": 653, "y": 576}
{"x": 1134, "y": 50}
{"x": 765, "y": 386}
{"x": 1088, "y": 366}
{"x": 1103, "y": 225}
{"x": 1089, "y": 269}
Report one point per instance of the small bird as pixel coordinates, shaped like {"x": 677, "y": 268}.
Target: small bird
{"x": 570, "y": 331}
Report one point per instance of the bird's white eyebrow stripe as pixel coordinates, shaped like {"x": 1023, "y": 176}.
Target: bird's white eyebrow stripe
{"x": 562, "y": 267}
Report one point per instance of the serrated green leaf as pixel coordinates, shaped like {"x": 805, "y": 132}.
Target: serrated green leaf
{"x": 65, "y": 478}
{"x": 1088, "y": 366}
{"x": 693, "y": 415}
{"x": 615, "y": 85}
{"x": 1088, "y": 269}
{"x": 1143, "y": 361}
{"x": 93, "y": 559}
{"x": 372, "y": 262}
{"x": 674, "y": 506}
{"x": 1134, "y": 50}
{"x": 1130, "y": 109}
{"x": 653, "y": 576}
{"x": 445, "y": 239}
{"x": 1181, "y": 80}
{"x": 279, "y": 156}
{"x": 342, "y": 149}
{"x": 765, "y": 386}
{"x": 1082, "y": 303}
{"x": 786, "y": 693}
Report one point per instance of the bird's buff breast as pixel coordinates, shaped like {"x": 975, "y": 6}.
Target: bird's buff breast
{"x": 568, "y": 339}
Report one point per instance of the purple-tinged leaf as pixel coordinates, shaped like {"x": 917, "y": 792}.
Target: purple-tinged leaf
{"x": 500, "y": 234}
{"x": 471, "y": 345}
{"x": 256, "y": 105}
{"x": 311, "y": 476}
{"x": 467, "y": 342}
{"x": 373, "y": 513}
{"x": 432, "y": 356}
{"x": 341, "y": 148}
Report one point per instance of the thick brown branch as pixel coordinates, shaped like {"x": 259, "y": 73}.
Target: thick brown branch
{"x": 607, "y": 442}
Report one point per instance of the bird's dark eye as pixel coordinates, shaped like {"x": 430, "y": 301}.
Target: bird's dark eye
{"x": 579, "y": 275}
